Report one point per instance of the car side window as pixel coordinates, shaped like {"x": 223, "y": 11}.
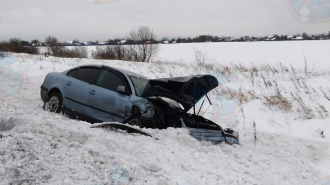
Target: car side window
{"x": 72, "y": 73}
{"x": 87, "y": 74}
{"x": 111, "y": 80}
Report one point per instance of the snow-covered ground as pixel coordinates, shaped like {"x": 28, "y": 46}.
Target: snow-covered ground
{"x": 267, "y": 83}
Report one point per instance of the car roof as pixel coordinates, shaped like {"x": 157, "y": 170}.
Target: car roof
{"x": 126, "y": 72}
{"x": 129, "y": 73}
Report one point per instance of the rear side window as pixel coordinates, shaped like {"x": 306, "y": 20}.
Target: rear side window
{"x": 111, "y": 80}
{"x": 87, "y": 74}
{"x": 71, "y": 73}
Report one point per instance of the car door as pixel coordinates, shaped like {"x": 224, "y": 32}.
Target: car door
{"x": 105, "y": 103}
{"x": 77, "y": 89}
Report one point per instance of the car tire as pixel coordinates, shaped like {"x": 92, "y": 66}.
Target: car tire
{"x": 55, "y": 102}
{"x": 134, "y": 121}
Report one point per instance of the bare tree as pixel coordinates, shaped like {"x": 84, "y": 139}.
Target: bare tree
{"x": 75, "y": 41}
{"x": 143, "y": 48}
{"x": 77, "y": 52}
{"x": 117, "y": 52}
{"x": 35, "y": 42}
{"x": 200, "y": 57}
{"x": 16, "y": 45}
{"x": 53, "y": 46}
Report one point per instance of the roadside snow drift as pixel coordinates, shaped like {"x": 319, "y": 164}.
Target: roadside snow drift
{"x": 287, "y": 101}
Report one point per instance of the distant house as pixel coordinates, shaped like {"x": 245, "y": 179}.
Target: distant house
{"x": 68, "y": 42}
{"x": 299, "y": 38}
{"x": 103, "y": 43}
{"x": 165, "y": 42}
{"x": 37, "y": 44}
{"x": 92, "y": 43}
{"x": 289, "y": 37}
{"x": 253, "y": 39}
{"x": 88, "y": 43}
{"x": 40, "y": 44}
{"x": 227, "y": 39}
{"x": 122, "y": 42}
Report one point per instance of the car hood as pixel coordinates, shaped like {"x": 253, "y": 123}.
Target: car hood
{"x": 185, "y": 90}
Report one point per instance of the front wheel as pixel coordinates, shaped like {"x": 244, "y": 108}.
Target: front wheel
{"x": 54, "y": 102}
{"x": 134, "y": 121}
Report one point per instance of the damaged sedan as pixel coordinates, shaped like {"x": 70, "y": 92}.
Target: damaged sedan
{"x": 105, "y": 94}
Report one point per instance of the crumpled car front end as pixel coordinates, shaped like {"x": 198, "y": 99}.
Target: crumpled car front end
{"x": 169, "y": 114}
{"x": 172, "y": 98}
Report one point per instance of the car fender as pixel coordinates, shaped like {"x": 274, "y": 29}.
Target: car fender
{"x": 142, "y": 106}
{"x": 56, "y": 87}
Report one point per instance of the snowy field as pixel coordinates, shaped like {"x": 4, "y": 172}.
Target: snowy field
{"x": 270, "y": 84}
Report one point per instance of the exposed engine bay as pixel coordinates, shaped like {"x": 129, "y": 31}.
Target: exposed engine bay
{"x": 168, "y": 113}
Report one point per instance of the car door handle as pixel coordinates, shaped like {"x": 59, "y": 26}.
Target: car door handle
{"x": 92, "y": 92}
{"x": 68, "y": 83}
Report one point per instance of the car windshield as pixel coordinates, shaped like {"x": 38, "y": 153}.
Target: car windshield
{"x": 139, "y": 83}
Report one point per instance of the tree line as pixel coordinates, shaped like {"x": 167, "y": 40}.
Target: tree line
{"x": 142, "y": 48}
{"x": 139, "y": 45}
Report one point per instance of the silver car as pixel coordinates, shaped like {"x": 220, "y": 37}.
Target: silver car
{"x": 106, "y": 94}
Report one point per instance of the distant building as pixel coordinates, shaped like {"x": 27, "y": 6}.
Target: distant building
{"x": 165, "y": 42}
{"x": 122, "y": 42}
{"x": 289, "y": 37}
{"x": 103, "y": 43}
{"x": 88, "y": 43}
{"x": 68, "y": 42}
{"x": 227, "y": 39}
{"x": 38, "y": 44}
{"x": 224, "y": 39}
{"x": 253, "y": 39}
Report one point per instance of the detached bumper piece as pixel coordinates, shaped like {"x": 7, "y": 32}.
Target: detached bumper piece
{"x": 230, "y": 137}
{"x": 125, "y": 127}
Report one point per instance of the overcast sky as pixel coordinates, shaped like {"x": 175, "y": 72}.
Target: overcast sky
{"x": 78, "y": 19}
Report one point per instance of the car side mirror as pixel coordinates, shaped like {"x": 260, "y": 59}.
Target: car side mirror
{"x": 121, "y": 89}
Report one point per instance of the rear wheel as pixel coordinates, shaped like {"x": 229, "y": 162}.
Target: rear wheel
{"x": 55, "y": 102}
